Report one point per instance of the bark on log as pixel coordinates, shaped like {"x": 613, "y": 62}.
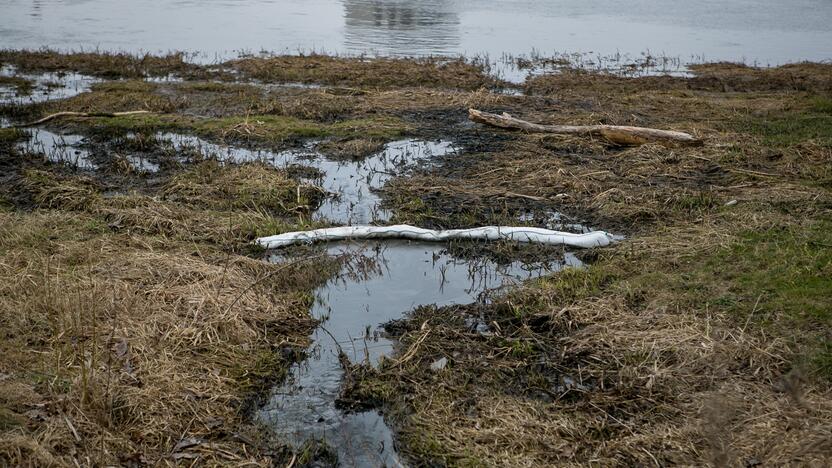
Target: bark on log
{"x": 618, "y": 134}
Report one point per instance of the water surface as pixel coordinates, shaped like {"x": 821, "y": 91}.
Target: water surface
{"x": 352, "y": 185}
{"x": 758, "y": 31}
{"x": 380, "y": 282}
{"x": 45, "y": 86}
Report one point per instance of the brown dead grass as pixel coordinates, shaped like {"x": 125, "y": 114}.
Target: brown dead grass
{"x": 631, "y": 362}
{"x": 123, "y": 351}
{"x": 356, "y": 148}
{"x": 133, "y": 331}
{"x": 751, "y": 139}
{"x": 101, "y": 64}
{"x": 125, "y": 335}
{"x": 718, "y": 77}
{"x": 255, "y": 187}
{"x": 362, "y": 72}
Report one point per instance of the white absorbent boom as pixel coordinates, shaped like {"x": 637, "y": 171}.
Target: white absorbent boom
{"x": 403, "y": 231}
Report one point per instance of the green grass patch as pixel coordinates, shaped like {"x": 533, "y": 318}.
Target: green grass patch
{"x": 781, "y": 279}
{"x": 263, "y": 128}
{"x": 782, "y": 130}
{"x": 573, "y": 284}
{"x": 822, "y": 104}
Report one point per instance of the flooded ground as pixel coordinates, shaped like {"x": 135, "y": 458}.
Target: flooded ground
{"x": 351, "y": 185}
{"x": 380, "y": 281}
{"x": 57, "y": 147}
{"x": 129, "y": 269}
{"x": 765, "y": 32}
{"x": 43, "y": 86}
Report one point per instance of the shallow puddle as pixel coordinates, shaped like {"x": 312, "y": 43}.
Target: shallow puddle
{"x": 45, "y": 86}
{"x": 58, "y": 148}
{"x": 378, "y": 283}
{"x": 352, "y": 183}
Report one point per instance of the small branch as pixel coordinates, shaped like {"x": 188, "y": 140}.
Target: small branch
{"x": 618, "y": 134}
{"x": 81, "y": 114}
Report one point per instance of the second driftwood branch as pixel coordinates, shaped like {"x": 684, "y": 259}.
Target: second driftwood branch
{"x": 81, "y": 114}
{"x": 617, "y": 134}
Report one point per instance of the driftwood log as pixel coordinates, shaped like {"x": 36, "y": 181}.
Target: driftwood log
{"x": 617, "y": 134}
{"x": 80, "y": 114}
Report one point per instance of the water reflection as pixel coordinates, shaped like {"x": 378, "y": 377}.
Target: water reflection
{"x": 378, "y": 282}
{"x": 400, "y": 27}
{"x": 352, "y": 185}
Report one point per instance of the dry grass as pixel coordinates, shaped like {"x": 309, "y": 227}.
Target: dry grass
{"x": 356, "y": 148}
{"x": 700, "y": 340}
{"x": 751, "y": 140}
{"x": 719, "y": 77}
{"x": 122, "y": 351}
{"x": 102, "y": 64}
{"x": 255, "y": 187}
{"x": 362, "y": 72}
{"x": 634, "y": 361}
{"x": 133, "y": 331}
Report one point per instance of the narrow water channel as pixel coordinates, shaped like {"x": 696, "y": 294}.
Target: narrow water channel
{"x": 382, "y": 282}
{"x": 352, "y": 184}
{"x": 379, "y": 282}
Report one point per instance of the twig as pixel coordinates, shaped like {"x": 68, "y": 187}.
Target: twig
{"x": 413, "y": 348}
{"x": 72, "y": 428}
{"x": 337, "y": 345}
{"x": 750, "y": 172}
{"x": 80, "y": 114}
{"x": 292, "y": 461}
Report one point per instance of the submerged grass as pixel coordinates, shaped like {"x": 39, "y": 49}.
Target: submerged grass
{"x": 21, "y": 86}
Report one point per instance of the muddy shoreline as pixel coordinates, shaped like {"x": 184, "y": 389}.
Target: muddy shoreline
{"x": 711, "y": 314}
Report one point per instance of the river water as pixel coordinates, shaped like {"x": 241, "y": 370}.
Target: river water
{"x": 765, "y": 32}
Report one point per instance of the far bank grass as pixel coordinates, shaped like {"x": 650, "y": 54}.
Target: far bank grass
{"x": 359, "y": 71}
